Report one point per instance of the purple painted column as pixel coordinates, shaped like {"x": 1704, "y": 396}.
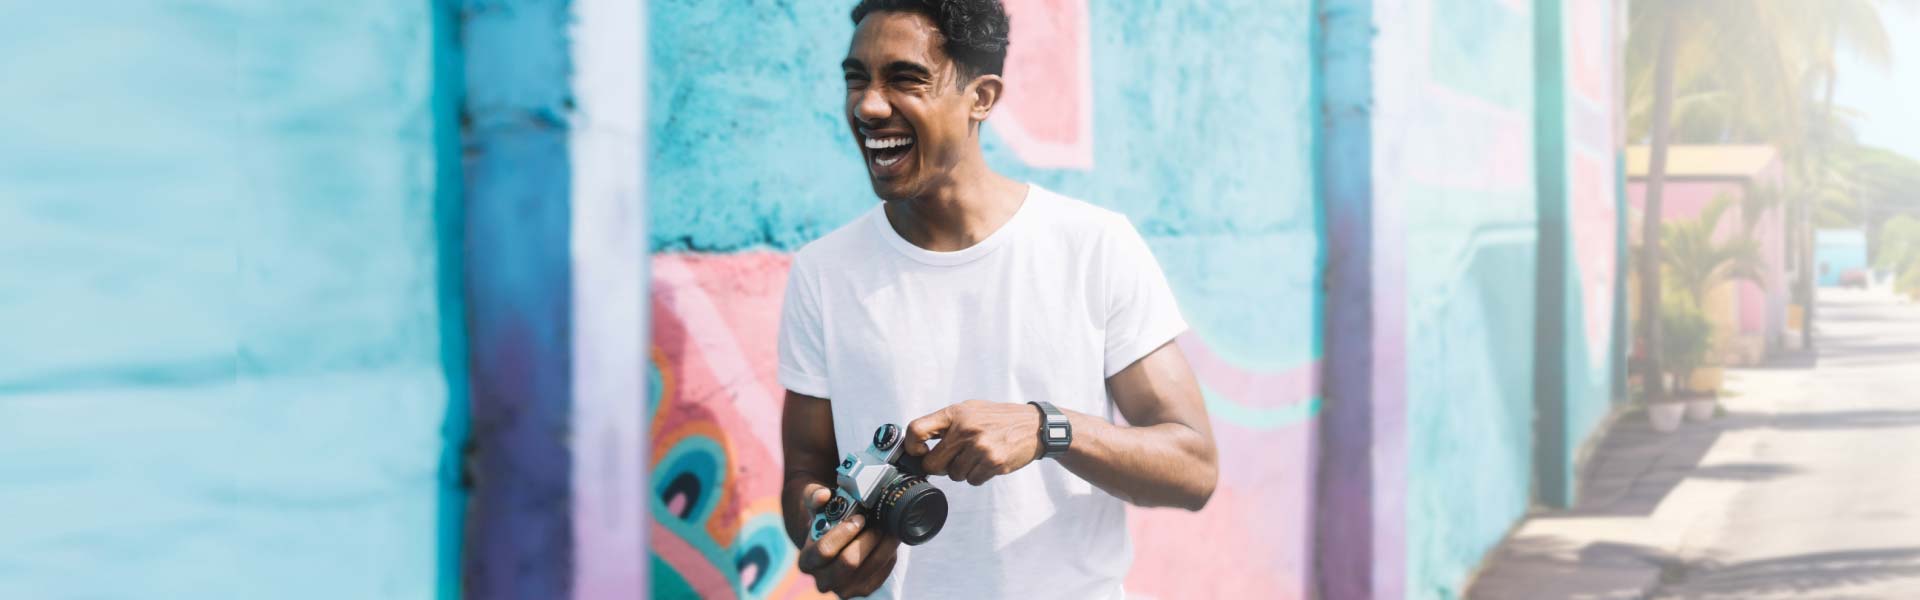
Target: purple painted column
{"x": 556, "y": 265}
{"x": 1360, "y": 516}
{"x": 609, "y": 299}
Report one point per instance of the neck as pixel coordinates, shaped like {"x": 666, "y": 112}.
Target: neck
{"x": 975, "y": 203}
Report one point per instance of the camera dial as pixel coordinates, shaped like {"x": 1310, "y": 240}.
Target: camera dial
{"x": 837, "y": 507}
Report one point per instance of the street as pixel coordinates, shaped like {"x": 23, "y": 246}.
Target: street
{"x": 1806, "y": 486}
{"x": 1829, "y": 505}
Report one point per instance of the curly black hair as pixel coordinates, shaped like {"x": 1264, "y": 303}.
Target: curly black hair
{"x": 975, "y": 30}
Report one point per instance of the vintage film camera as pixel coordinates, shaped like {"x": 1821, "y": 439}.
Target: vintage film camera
{"x": 888, "y": 486}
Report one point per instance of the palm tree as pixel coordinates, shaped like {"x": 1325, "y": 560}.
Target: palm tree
{"x": 1697, "y": 258}
{"x": 1773, "y": 47}
{"x": 1859, "y": 26}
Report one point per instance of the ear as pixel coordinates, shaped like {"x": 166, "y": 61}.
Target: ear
{"x": 984, "y": 91}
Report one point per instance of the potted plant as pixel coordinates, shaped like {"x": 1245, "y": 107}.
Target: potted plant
{"x": 1699, "y": 257}
{"x": 1684, "y": 345}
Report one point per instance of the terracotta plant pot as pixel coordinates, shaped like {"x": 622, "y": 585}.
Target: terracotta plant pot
{"x": 1666, "y": 416}
{"x": 1701, "y": 409}
{"x": 1706, "y": 380}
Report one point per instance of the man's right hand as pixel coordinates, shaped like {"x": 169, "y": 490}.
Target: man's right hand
{"x": 849, "y": 559}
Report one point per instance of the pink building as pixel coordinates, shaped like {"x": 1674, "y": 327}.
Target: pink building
{"x": 1750, "y": 319}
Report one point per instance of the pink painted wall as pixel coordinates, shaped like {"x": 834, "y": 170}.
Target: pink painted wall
{"x": 715, "y": 462}
{"x": 1240, "y": 247}
{"x": 1762, "y": 309}
{"x": 714, "y": 520}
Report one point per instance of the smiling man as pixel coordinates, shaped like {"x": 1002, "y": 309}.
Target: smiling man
{"x": 1005, "y": 324}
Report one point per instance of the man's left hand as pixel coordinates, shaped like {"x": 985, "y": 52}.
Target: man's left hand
{"x": 979, "y": 440}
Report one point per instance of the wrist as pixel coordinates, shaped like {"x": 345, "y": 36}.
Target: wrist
{"x": 1055, "y": 431}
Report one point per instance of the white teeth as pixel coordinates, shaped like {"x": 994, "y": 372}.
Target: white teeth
{"x": 888, "y": 162}
{"x": 893, "y": 142}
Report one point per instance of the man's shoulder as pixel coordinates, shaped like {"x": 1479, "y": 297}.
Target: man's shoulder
{"x": 1078, "y": 218}
{"x": 849, "y": 241}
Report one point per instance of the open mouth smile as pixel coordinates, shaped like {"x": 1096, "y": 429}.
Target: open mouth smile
{"x": 883, "y": 153}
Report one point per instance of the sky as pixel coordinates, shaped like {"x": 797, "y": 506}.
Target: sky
{"x": 1887, "y": 97}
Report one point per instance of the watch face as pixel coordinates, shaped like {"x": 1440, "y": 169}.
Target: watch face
{"x": 1057, "y": 433}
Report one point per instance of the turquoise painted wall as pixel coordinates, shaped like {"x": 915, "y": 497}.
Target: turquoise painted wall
{"x": 224, "y": 302}
{"x": 1836, "y": 251}
{"x": 1208, "y": 149}
{"x": 1454, "y": 152}
{"x": 1588, "y": 208}
{"x": 1202, "y": 114}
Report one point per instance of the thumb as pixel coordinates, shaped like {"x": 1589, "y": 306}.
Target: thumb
{"x": 818, "y": 498}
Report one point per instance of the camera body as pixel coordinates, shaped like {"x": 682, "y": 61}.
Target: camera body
{"x": 888, "y": 486}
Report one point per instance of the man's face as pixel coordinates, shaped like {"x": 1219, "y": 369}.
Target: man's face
{"x": 909, "y": 113}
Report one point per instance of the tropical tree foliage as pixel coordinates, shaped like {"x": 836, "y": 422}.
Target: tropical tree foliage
{"x": 1740, "y": 71}
{"x": 1698, "y": 256}
{"x": 1899, "y": 253}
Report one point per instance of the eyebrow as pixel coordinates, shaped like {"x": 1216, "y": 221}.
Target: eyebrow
{"x": 898, "y": 66}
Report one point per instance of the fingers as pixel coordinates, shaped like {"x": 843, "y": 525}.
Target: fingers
{"x": 817, "y": 555}
{"x": 874, "y": 570}
{"x": 929, "y": 427}
{"x": 983, "y": 471}
{"x": 862, "y": 566}
{"x": 940, "y": 460}
{"x": 964, "y": 463}
{"x": 847, "y": 569}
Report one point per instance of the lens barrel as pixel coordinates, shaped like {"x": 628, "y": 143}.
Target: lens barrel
{"x": 913, "y": 510}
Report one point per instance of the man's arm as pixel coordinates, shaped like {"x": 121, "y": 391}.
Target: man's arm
{"x": 807, "y": 444}
{"x": 1165, "y": 457}
{"x": 849, "y": 560}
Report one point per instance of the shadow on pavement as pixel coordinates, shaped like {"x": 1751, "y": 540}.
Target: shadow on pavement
{"x": 1840, "y": 350}
{"x": 1634, "y": 467}
{"x": 1847, "y": 419}
{"x": 1549, "y": 567}
{"x": 1802, "y": 575}
{"x": 1788, "y": 360}
{"x": 1743, "y": 471}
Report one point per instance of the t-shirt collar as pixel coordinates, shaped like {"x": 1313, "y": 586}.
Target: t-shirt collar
{"x": 993, "y": 240}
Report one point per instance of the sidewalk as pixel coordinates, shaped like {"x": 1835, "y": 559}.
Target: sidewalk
{"x": 1641, "y": 495}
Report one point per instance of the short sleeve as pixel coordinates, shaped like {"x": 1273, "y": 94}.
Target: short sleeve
{"x": 1141, "y": 312}
{"x": 803, "y": 348}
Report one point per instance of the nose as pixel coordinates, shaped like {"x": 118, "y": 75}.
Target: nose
{"x": 871, "y": 106}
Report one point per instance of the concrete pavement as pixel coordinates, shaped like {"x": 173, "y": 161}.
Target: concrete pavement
{"x": 1807, "y": 487}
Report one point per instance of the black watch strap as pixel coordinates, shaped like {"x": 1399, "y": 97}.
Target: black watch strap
{"x": 1056, "y": 432}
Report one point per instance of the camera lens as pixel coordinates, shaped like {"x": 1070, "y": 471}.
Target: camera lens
{"x": 913, "y": 510}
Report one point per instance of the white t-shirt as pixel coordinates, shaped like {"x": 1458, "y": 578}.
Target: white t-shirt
{"x": 1062, "y": 296}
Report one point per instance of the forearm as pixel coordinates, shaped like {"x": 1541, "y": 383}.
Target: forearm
{"x": 1168, "y": 464}
{"x": 808, "y": 449}
{"x": 794, "y": 509}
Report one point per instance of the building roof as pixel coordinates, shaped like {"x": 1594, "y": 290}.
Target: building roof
{"x": 1710, "y": 162}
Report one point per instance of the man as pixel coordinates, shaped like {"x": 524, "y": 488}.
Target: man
{"x": 951, "y": 305}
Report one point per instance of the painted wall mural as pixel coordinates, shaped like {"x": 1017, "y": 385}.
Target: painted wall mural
{"x": 714, "y": 407}
{"x": 1593, "y": 143}
{"x": 1238, "y": 239}
{"x": 229, "y": 353}
{"x": 1047, "y": 115}
{"x": 1453, "y": 155}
